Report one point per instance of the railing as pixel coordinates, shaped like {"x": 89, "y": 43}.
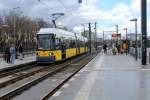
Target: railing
{"x": 132, "y": 52}
{"x": 24, "y": 54}
{"x": 29, "y": 53}
{"x": 99, "y": 48}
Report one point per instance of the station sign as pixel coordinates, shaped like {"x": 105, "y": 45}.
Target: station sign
{"x": 116, "y": 36}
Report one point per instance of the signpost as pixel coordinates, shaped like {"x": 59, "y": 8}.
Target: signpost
{"x": 116, "y": 36}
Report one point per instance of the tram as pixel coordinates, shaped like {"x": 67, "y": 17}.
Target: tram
{"x": 56, "y": 45}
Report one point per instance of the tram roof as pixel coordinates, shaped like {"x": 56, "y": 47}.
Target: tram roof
{"x": 61, "y": 33}
{"x": 58, "y": 32}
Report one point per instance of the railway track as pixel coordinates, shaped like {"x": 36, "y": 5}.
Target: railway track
{"x": 15, "y": 75}
{"x": 12, "y": 78}
{"x": 25, "y": 79}
{"x": 8, "y": 71}
{"x": 75, "y": 69}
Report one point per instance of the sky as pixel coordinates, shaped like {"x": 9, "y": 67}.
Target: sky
{"x": 107, "y": 13}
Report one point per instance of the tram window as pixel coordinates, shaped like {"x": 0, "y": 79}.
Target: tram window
{"x": 67, "y": 43}
{"x": 86, "y": 44}
{"x": 80, "y": 43}
{"x": 46, "y": 42}
{"x": 72, "y": 44}
{"x": 58, "y": 43}
{"x": 63, "y": 44}
{"x": 52, "y": 42}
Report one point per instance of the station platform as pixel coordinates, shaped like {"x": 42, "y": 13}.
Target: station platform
{"x": 108, "y": 77}
{"x": 28, "y": 59}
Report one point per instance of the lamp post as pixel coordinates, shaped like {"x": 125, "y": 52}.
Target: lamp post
{"x": 90, "y": 37}
{"x": 136, "y": 52}
{"x": 117, "y": 32}
{"x": 95, "y": 35}
{"x": 103, "y": 36}
{"x": 126, "y": 29}
{"x": 91, "y": 34}
{"x": 14, "y": 26}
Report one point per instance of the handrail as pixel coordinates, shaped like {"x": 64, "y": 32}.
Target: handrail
{"x": 24, "y": 53}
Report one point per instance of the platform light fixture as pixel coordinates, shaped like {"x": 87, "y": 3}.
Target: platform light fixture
{"x": 136, "y": 52}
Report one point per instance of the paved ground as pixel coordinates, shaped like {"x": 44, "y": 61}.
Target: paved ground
{"x": 3, "y": 64}
{"x": 108, "y": 77}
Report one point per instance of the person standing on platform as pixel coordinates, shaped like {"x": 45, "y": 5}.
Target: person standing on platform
{"x": 12, "y": 53}
{"x": 118, "y": 49}
{"x": 114, "y": 49}
{"x": 105, "y": 48}
{"x": 7, "y": 54}
{"x": 125, "y": 47}
{"x": 20, "y": 52}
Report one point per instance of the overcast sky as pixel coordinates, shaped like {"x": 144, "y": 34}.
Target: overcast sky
{"x": 107, "y": 13}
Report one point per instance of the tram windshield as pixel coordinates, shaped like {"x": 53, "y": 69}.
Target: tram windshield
{"x": 45, "y": 42}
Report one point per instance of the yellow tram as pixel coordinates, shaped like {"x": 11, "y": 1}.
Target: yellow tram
{"x": 56, "y": 44}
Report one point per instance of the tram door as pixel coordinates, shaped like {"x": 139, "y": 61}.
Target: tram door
{"x": 63, "y": 49}
{"x": 77, "y": 45}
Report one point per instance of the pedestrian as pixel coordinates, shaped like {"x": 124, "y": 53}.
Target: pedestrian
{"x": 12, "y": 53}
{"x": 118, "y": 49}
{"x": 114, "y": 50}
{"x": 105, "y": 48}
{"x": 7, "y": 54}
{"x": 121, "y": 50}
{"x": 20, "y": 52}
{"x": 125, "y": 46}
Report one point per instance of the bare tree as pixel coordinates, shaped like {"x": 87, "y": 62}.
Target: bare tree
{"x": 21, "y": 30}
